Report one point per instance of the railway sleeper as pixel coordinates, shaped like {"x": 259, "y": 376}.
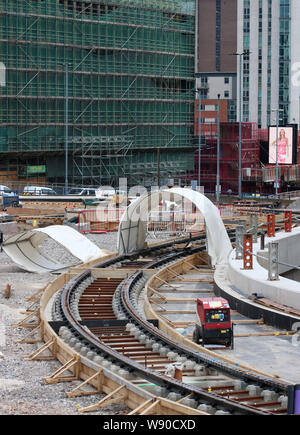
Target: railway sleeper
{"x": 150, "y": 360}
{"x": 109, "y": 362}
{"x": 133, "y": 326}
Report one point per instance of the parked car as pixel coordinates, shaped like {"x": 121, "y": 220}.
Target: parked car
{"x": 38, "y": 190}
{"x": 82, "y": 191}
{"x": 8, "y": 198}
{"x": 4, "y": 190}
{"x": 105, "y": 192}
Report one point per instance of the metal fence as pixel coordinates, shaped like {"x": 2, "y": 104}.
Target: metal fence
{"x": 99, "y": 220}
{"x": 174, "y": 222}
{"x": 106, "y": 220}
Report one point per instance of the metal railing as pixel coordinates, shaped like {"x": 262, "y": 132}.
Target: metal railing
{"x": 245, "y": 239}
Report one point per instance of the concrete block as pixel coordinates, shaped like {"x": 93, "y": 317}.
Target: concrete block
{"x": 191, "y": 403}
{"x": 189, "y": 365}
{"x": 156, "y": 347}
{"x": 207, "y": 408}
{"x": 174, "y": 396}
{"x": 283, "y": 401}
{"x": 125, "y": 374}
{"x": 91, "y": 355}
{"x": 254, "y": 390}
{"x": 239, "y": 385}
{"x": 164, "y": 351}
{"x": 221, "y": 412}
{"x": 161, "y": 391}
{"x": 269, "y": 395}
{"x": 149, "y": 342}
{"x": 84, "y": 350}
{"x": 114, "y": 368}
{"x": 172, "y": 356}
{"x": 98, "y": 360}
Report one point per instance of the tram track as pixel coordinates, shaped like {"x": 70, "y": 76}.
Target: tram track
{"x": 136, "y": 348}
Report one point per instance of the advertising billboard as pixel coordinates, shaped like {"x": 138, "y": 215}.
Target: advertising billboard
{"x": 285, "y": 144}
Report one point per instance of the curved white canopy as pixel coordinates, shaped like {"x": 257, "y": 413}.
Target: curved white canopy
{"x": 132, "y": 228}
{"x": 23, "y": 248}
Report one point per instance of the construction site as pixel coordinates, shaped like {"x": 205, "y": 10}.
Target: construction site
{"x": 162, "y": 299}
{"x": 98, "y": 314}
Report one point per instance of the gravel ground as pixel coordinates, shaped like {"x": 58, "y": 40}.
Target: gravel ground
{"x": 22, "y": 389}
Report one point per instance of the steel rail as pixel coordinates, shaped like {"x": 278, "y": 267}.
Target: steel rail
{"x": 146, "y": 373}
{"x": 127, "y": 305}
{"x": 226, "y": 368}
{"x": 151, "y": 374}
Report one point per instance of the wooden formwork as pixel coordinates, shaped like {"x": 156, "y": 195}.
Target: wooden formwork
{"x": 100, "y": 381}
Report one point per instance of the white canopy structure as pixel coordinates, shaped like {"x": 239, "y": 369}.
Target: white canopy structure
{"x": 133, "y": 225}
{"x": 23, "y": 248}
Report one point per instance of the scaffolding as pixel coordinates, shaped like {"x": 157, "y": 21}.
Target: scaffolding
{"x": 128, "y": 67}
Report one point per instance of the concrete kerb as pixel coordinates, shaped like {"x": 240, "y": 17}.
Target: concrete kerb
{"x": 284, "y": 291}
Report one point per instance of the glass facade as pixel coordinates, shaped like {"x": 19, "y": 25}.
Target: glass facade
{"x": 266, "y": 24}
{"x": 245, "y": 59}
{"x": 284, "y": 60}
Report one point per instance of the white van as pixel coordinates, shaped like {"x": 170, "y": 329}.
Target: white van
{"x": 105, "y": 192}
{"x": 82, "y": 191}
{"x": 37, "y": 190}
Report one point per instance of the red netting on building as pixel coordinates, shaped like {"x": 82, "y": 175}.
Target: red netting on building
{"x": 229, "y": 151}
{"x": 256, "y": 177}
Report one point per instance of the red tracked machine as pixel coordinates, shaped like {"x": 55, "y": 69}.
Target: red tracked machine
{"x": 213, "y": 324}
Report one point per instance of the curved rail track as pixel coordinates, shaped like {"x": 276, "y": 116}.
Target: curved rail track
{"x": 127, "y": 343}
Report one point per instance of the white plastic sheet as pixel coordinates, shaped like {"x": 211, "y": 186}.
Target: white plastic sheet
{"x": 23, "y": 248}
{"x": 132, "y": 228}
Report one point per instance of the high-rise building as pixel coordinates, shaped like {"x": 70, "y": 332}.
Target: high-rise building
{"x": 264, "y": 35}
{"x": 106, "y": 83}
{"x": 270, "y": 31}
{"x": 216, "y": 33}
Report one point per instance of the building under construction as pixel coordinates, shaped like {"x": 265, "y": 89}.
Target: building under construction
{"x": 105, "y": 83}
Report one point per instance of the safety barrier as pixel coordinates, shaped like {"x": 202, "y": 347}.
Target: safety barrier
{"x": 229, "y": 210}
{"x": 105, "y": 220}
{"x": 174, "y": 222}
{"x": 245, "y": 240}
{"x": 159, "y": 221}
{"x": 99, "y": 220}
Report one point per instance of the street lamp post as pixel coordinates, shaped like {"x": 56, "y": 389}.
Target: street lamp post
{"x": 245, "y": 52}
{"x": 66, "y": 127}
{"x": 277, "y": 168}
{"x": 199, "y": 137}
{"x": 218, "y": 154}
{"x": 240, "y": 128}
{"x": 276, "y": 182}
